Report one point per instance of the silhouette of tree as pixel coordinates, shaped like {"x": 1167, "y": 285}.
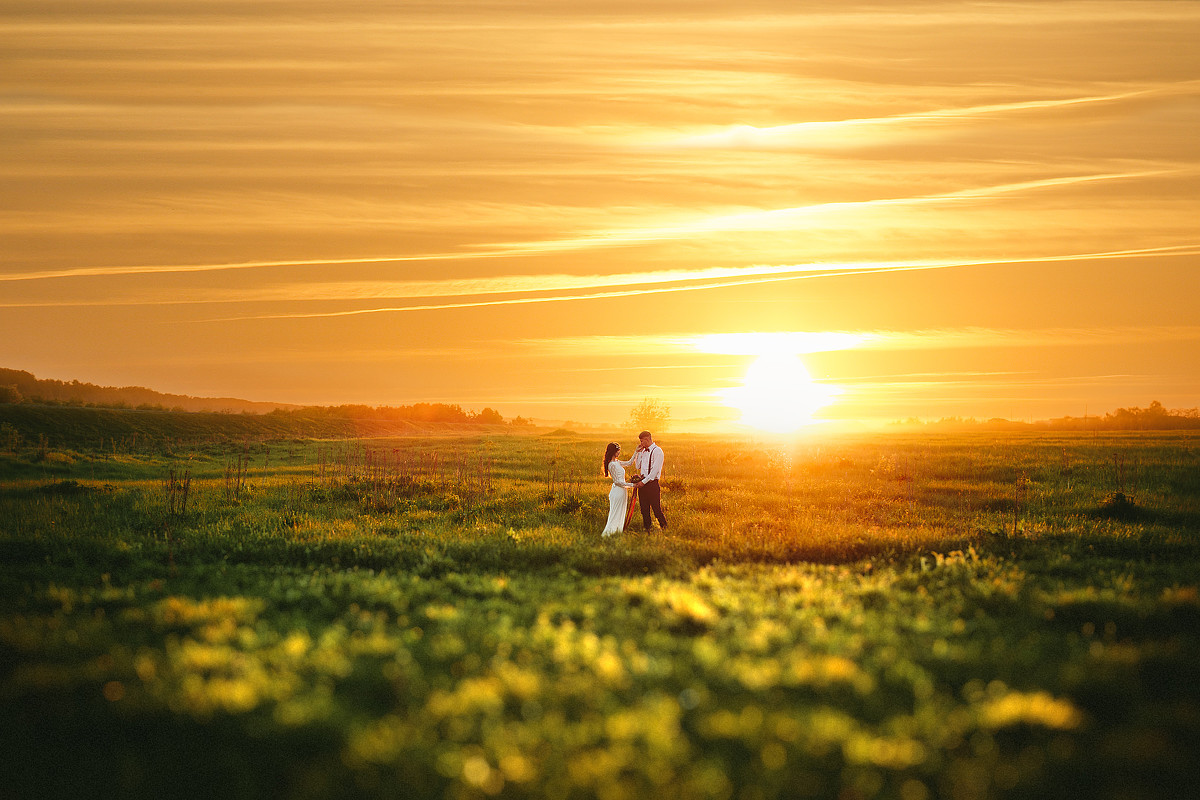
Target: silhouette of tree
{"x": 649, "y": 415}
{"x": 489, "y": 416}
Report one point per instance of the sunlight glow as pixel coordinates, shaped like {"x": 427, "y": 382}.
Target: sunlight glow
{"x": 778, "y": 395}
{"x": 846, "y": 133}
{"x": 760, "y": 343}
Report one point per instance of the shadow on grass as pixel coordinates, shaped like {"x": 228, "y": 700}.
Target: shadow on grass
{"x": 111, "y": 754}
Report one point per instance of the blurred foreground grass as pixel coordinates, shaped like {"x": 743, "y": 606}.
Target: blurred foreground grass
{"x": 889, "y": 616}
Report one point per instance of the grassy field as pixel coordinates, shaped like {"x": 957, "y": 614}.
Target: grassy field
{"x": 976, "y": 616}
{"x": 118, "y": 430}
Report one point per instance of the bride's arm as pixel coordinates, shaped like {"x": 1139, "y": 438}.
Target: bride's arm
{"x": 622, "y": 484}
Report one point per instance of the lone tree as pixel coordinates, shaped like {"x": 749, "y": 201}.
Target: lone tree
{"x": 489, "y": 416}
{"x": 649, "y": 415}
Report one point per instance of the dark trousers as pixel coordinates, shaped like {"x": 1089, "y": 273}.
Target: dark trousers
{"x": 650, "y": 499}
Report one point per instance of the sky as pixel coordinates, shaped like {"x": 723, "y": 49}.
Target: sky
{"x": 849, "y": 213}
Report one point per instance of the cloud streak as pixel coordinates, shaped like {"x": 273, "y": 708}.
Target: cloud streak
{"x": 772, "y": 219}
{"x": 867, "y": 130}
{"x": 565, "y": 298}
{"x": 749, "y": 276}
{"x": 787, "y": 218}
{"x": 754, "y": 343}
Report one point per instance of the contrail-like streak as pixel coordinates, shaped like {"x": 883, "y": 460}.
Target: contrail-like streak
{"x": 755, "y": 135}
{"x": 466, "y": 287}
{"x": 802, "y": 273}
{"x": 776, "y": 218}
{"x": 562, "y": 298}
{"x": 752, "y": 220}
{"x": 168, "y": 269}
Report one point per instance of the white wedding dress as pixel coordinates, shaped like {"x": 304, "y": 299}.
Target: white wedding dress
{"x": 618, "y": 497}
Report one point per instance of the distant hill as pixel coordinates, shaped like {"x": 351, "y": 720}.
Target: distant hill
{"x": 26, "y": 425}
{"x": 83, "y": 414}
{"x": 18, "y": 386}
{"x": 1153, "y": 418}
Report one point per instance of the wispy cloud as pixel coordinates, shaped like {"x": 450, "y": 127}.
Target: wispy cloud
{"x": 771, "y": 219}
{"x": 974, "y": 337}
{"x": 960, "y": 385}
{"x": 846, "y": 133}
{"x": 728, "y": 278}
{"x": 796, "y": 274}
{"x": 755, "y": 343}
{"x": 790, "y": 218}
{"x": 473, "y": 287}
{"x": 168, "y": 269}
{"x": 748, "y": 343}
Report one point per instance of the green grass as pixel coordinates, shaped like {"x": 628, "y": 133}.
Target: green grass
{"x": 894, "y": 616}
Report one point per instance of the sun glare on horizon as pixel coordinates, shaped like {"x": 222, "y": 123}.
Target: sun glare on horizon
{"x": 778, "y": 395}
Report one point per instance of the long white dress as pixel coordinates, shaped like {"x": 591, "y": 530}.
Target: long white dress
{"x": 618, "y": 497}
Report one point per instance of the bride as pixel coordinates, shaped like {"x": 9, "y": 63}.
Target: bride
{"x": 618, "y": 495}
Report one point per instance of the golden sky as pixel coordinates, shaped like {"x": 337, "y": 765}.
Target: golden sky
{"x": 557, "y": 209}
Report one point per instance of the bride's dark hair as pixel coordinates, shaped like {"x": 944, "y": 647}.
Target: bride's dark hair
{"x": 609, "y": 452}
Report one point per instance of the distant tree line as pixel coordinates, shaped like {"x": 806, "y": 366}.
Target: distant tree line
{"x": 17, "y": 386}
{"x": 418, "y": 412}
{"x": 1154, "y": 418}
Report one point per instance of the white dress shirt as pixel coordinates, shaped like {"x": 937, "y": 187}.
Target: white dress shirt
{"x": 650, "y": 462}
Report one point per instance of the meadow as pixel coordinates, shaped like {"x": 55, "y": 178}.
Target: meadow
{"x": 876, "y": 616}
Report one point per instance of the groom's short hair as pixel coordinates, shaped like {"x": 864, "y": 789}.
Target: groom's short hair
{"x": 644, "y": 434}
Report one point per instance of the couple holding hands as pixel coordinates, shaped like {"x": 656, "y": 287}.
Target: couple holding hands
{"x": 648, "y": 462}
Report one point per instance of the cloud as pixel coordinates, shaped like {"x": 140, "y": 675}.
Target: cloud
{"x": 703, "y": 280}
{"x": 807, "y": 215}
{"x": 755, "y": 343}
{"x": 772, "y": 219}
{"x": 796, "y": 273}
{"x": 873, "y": 131}
{"x": 530, "y": 288}
{"x": 972, "y": 337}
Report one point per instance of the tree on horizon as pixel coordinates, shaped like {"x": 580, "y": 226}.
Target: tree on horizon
{"x": 649, "y": 415}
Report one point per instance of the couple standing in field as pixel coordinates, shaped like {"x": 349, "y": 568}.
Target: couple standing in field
{"x": 648, "y": 462}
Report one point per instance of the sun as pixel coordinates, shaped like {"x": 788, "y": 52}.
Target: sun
{"x": 778, "y": 395}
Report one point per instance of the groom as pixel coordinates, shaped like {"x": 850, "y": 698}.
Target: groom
{"x": 649, "y": 462}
